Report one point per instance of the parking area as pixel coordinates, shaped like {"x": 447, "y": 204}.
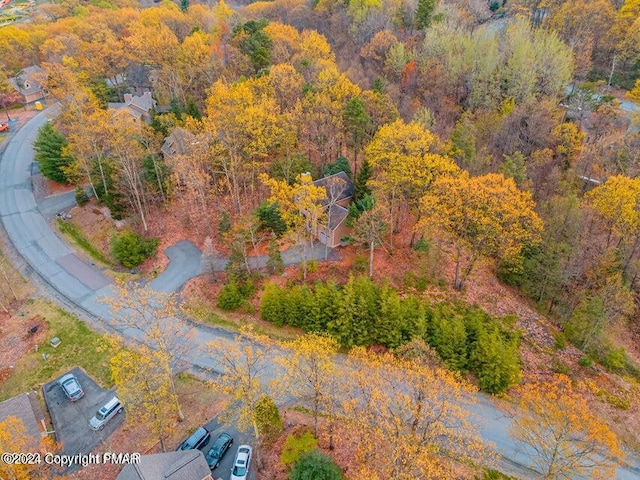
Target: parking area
{"x": 71, "y": 419}
{"x": 239, "y": 438}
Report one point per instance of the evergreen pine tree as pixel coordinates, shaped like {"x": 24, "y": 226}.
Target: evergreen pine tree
{"x": 424, "y": 13}
{"x": 361, "y": 188}
{"x": 49, "y": 147}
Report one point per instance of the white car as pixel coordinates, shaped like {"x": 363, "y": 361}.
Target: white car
{"x": 241, "y": 463}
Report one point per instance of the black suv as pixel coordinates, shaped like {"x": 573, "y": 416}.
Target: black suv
{"x": 197, "y": 439}
{"x": 217, "y": 451}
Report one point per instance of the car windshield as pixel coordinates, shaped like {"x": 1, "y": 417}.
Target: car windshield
{"x": 100, "y": 415}
{"x": 239, "y": 471}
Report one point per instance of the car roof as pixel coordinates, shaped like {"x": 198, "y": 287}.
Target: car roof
{"x": 243, "y": 454}
{"x": 110, "y": 403}
{"x": 66, "y": 378}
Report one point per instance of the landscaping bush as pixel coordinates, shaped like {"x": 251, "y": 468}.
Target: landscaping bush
{"x": 268, "y": 420}
{"x": 296, "y": 445}
{"x": 316, "y": 465}
{"x": 131, "y": 249}
{"x": 230, "y": 297}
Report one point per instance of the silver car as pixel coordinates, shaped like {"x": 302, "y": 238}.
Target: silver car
{"x": 241, "y": 463}
{"x": 71, "y": 387}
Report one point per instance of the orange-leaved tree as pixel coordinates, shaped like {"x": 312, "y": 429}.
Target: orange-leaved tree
{"x": 485, "y": 215}
{"x": 14, "y": 439}
{"x": 565, "y": 439}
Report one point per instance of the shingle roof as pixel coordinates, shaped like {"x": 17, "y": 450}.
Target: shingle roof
{"x": 22, "y": 408}
{"x": 26, "y": 82}
{"x": 341, "y": 185}
{"x": 183, "y": 465}
{"x": 337, "y": 215}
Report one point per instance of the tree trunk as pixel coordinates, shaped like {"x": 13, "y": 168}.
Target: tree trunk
{"x": 372, "y": 246}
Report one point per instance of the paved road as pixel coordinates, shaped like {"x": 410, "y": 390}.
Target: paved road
{"x": 83, "y": 284}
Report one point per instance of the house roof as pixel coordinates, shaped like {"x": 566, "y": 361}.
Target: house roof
{"x": 136, "y": 106}
{"x": 337, "y": 214}
{"x": 27, "y": 81}
{"x": 25, "y": 407}
{"x": 339, "y": 187}
{"x": 176, "y": 142}
{"x": 182, "y": 465}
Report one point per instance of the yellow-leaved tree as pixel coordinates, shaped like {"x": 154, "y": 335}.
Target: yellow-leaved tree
{"x": 405, "y": 165}
{"x": 310, "y": 372}
{"x": 565, "y": 439}
{"x": 407, "y": 417}
{"x": 485, "y": 215}
{"x": 300, "y": 206}
{"x": 242, "y": 372}
{"x": 152, "y": 319}
{"x": 14, "y": 439}
{"x": 144, "y": 382}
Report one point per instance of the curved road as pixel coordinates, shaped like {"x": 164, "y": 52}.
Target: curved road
{"x": 83, "y": 284}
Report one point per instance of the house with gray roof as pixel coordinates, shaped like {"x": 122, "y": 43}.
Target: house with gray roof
{"x": 339, "y": 192}
{"x": 181, "y": 465}
{"x": 25, "y": 407}
{"x": 139, "y": 107}
{"x": 29, "y": 84}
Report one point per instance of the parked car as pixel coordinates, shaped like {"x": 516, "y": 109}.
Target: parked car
{"x": 71, "y": 387}
{"x": 217, "y": 451}
{"x": 197, "y": 439}
{"x": 4, "y": 127}
{"x": 241, "y": 463}
{"x": 106, "y": 413}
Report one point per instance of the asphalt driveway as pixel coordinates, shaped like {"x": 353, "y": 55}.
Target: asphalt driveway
{"x": 71, "y": 419}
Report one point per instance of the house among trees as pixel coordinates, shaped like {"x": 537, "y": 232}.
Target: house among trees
{"x": 29, "y": 84}
{"x": 138, "y": 106}
{"x": 340, "y": 190}
{"x": 181, "y": 465}
{"x": 176, "y": 143}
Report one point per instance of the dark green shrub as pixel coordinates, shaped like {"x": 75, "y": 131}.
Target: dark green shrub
{"x": 81, "y": 196}
{"x": 585, "y": 361}
{"x": 270, "y": 218}
{"x": 131, "y": 249}
{"x": 316, "y": 465}
{"x": 224, "y": 223}
{"x": 296, "y": 445}
{"x": 230, "y": 296}
{"x": 340, "y": 165}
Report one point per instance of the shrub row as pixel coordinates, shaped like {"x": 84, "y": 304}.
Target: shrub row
{"x": 361, "y": 313}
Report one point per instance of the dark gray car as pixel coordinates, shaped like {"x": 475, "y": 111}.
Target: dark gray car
{"x": 71, "y": 387}
{"x": 217, "y": 451}
{"x": 197, "y": 439}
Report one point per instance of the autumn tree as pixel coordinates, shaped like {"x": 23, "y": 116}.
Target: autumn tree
{"x": 370, "y": 227}
{"x": 404, "y": 415}
{"x": 244, "y": 124}
{"x": 243, "y": 368}
{"x": 485, "y": 215}
{"x": 310, "y": 374}
{"x": 154, "y": 320}
{"x": 300, "y": 207}
{"x": 406, "y": 164}
{"x": 143, "y": 378}
{"x": 634, "y": 93}
{"x": 564, "y": 437}
{"x": 14, "y": 439}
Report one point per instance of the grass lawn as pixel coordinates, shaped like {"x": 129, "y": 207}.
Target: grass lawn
{"x": 78, "y": 348}
{"x": 75, "y": 234}
{"x": 202, "y": 310}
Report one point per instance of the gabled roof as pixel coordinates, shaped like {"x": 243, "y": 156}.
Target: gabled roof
{"x": 176, "y": 142}
{"x": 337, "y": 214}
{"x": 27, "y": 81}
{"x": 339, "y": 186}
{"x": 137, "y": 106}
{"x": 22, "y": 407}
{"x": 181, "y": 465}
